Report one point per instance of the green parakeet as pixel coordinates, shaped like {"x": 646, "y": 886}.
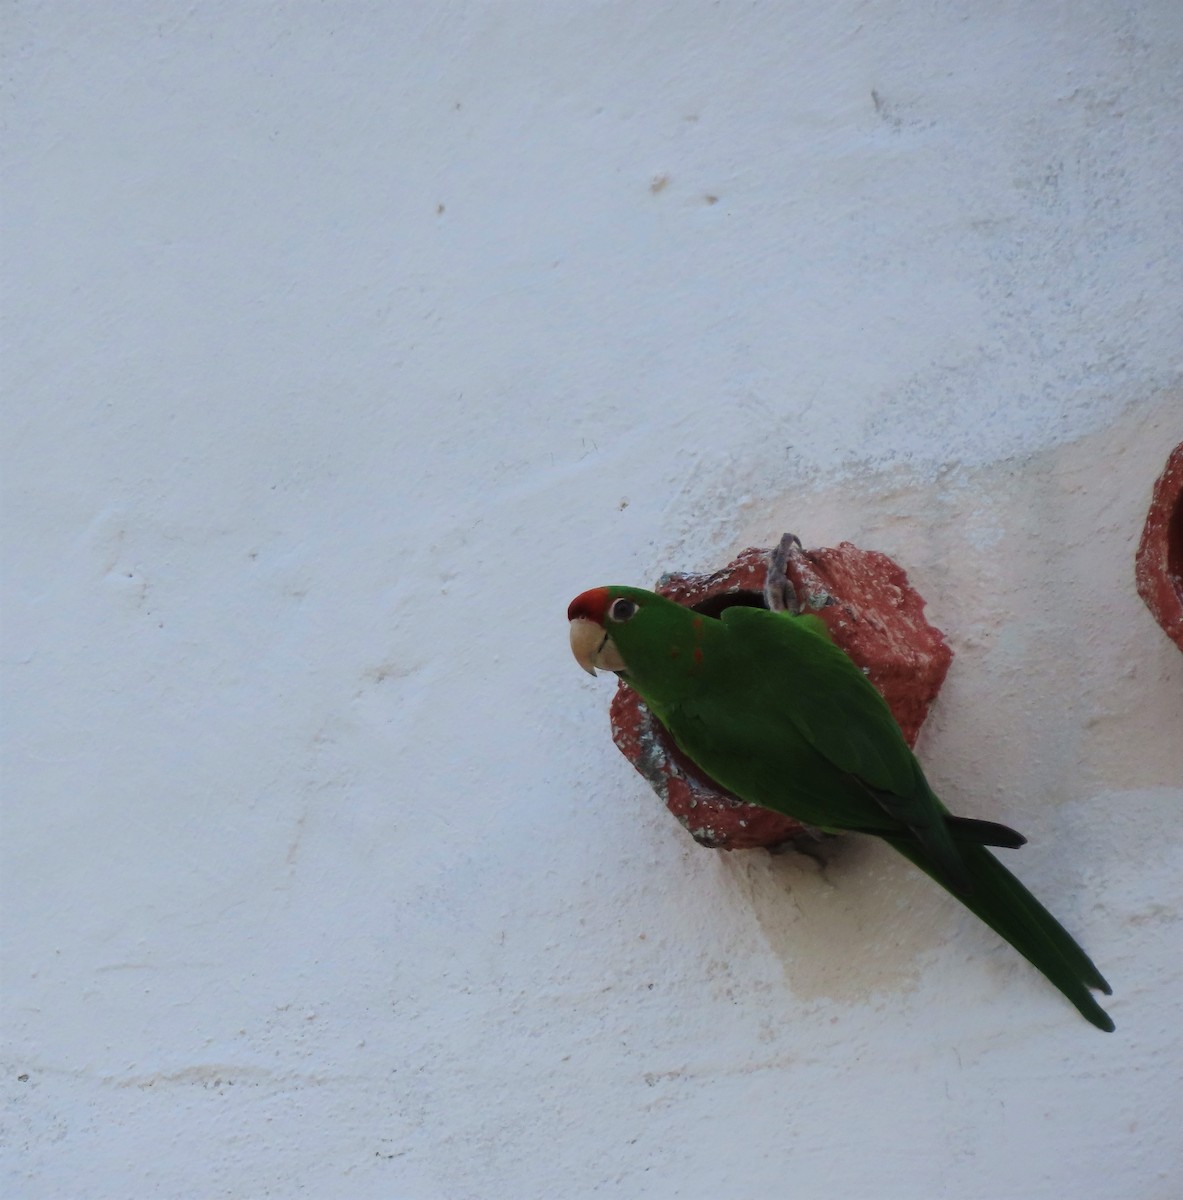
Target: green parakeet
{"x": 771, "y": 709}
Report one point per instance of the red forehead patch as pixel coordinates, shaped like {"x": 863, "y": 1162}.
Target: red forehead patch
{"x": 591, "y": 605}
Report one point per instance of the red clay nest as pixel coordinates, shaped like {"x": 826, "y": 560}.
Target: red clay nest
{"x": 1158, "y": 567}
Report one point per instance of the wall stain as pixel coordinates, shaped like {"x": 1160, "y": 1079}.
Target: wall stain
{"x": 857, "y": 925}
{"x": 1044, "y": 706}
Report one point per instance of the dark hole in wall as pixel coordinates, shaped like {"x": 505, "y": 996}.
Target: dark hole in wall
{"x": 712, "y": 606}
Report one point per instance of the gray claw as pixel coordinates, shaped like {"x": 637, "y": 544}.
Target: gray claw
{"x": 779, "y": 595}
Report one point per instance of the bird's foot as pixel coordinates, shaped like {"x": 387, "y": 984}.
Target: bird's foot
{"x": 779, "y": 593}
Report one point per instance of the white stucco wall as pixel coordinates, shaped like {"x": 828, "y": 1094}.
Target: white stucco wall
{"x": 344, "y": 343}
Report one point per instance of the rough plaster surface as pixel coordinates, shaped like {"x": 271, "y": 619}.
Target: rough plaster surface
{"x": 343, "y": 344}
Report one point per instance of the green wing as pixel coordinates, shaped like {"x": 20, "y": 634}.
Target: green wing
{"x": 832, "y": 704}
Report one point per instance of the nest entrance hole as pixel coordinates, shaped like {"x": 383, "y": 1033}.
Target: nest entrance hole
{"x": 715, "y": 606}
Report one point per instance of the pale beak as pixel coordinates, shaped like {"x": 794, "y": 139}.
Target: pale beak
{"x": 593, "y": 648}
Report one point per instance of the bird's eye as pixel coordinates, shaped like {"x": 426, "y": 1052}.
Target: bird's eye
{"x": 622, "y": 609}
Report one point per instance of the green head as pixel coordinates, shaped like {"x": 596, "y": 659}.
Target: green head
{"x": 652, "y": 643}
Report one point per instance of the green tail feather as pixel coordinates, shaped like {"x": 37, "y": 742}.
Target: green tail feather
{"x": 1000, "y": 900}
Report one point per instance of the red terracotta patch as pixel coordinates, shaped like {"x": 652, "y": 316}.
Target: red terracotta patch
{"x": 1158, "y": 567}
